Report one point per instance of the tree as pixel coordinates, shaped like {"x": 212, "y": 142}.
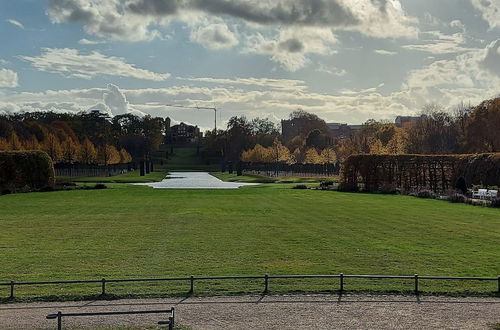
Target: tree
{"x": 88, "y": 154}
{"x": 32, "y": 144}
{"x": 482, "y": 129}
{"x": 52, "y": 147}
{"x": 70, "y": 151}
{"x": 279, "y": 153}
{"x": 316, "y": 139}
{"x": 125, "y": 157}
{"x": 312, "y": 157}
{"x": 14, "y": 142}
{"x": 108, "y": 155}
{"x": 328, "y": 156}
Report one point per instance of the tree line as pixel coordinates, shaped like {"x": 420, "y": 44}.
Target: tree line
{"x": 86, "y": 138}
{"x": 437, "y": 131}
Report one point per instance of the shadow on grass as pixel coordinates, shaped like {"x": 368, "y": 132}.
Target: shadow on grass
{"x": 184, "y": 296}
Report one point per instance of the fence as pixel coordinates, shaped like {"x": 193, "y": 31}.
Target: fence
{"x": 287, "y": 170}
{"x": 76, "y": 170}
{"x": 415, "y": 279}
{"x": 170, "y": 322}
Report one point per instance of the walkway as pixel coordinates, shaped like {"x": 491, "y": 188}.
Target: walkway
{"x": 273, "y": 312}
{"x": 194, "y": 180}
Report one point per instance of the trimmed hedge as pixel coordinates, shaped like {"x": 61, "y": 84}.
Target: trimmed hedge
{"x": 25, "y": 171}
{"x": 437, "y": 173}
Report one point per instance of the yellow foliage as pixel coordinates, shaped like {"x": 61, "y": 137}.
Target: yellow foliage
{"x": 107, "y": 155}
{"x": 32, "y": 144}
{"x": 312, "y": 157}
{"x": 125, "y": 157}
{"x": 15, "y": 143}
{"x": 71, "y": 151}
{"x": 4, "y": 144}
{"x": 328, "y": 156}
{"x": 52, "y": 147}
{"x": 88, "y": 154}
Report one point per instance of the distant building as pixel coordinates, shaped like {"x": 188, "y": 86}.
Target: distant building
{"x": 403, "y": 120}
{"x": 184, "y": 133}
{"x": 343, "y": 131}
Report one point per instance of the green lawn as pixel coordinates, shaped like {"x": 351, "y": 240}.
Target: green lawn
{"x": 263, "y": 179}
{"x": 133, "y": 231}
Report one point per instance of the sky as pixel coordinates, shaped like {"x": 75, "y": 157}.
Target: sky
{"x": 344, "y": 60}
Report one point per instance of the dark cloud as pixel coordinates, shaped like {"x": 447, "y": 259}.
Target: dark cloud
{"x": 292, "y": 46}
{"x": 155, "y": 7}
{"x": 294, "y": 12}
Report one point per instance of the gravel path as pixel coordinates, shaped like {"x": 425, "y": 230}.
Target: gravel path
{"x": 272, "y": 312}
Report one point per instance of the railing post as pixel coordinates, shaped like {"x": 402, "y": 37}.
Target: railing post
{"x": 341, "y": 282}
{"x": 266, "y": 283}
{"x": 11, "y": 289}
{"x": 103, "y": 287}
{"x": 416, "y": 284}
{"x": 191, "y": 280}
{"x": 59, "y": 320}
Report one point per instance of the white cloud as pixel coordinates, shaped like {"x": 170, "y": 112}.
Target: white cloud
{"x": 8, "y": 78}
{"x": 436, "y": 42}
{"x": 291, "y": 47}
{"x": 331, "y": 70}
{"x": 385, "y": 52}
{"x": 90, "y": 42}
{"x": 490, "y": 10}
{"x": 214, "y": 36}
{"x": 280, "y": 84}
{"x": 16, "y": 23}
{"x": 72, "y": 63}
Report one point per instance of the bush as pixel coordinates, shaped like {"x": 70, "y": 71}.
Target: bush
{"x": 495, "y": 202}
{"x": 348, "y": 187}
{"x": 300, "y": 186}
{"x": 388, "y": 188}
{"x": 100, "y": 186}
{"x": 426, "y": 194}
{"x": 22, "y": 171}
{"x": 458, "y": 198}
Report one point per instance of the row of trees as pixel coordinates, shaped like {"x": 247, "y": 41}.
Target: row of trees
{"x": 278, "y": 153}
{"x": 465, "y": 130}
{"x": 67, "y": 150}
{"x": 88, "y": 138}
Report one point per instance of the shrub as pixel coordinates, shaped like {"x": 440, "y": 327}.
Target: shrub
{"x": 25, "y": 171}
{"x": 495, "y": 202}
{"x": 326, "y": 185}
{"x": 388, "y": 188}
{"x": 348, "y": 187}
{"x": 458, "y": 198}
{"x": 425, "y": 193}
{"x": 100, "y": 186}
{"x": 300, "y": 186}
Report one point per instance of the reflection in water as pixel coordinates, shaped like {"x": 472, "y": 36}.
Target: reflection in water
{"x": 194, "y": 180}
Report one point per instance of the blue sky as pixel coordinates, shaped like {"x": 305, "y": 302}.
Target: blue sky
{"x": 347, "y": 61}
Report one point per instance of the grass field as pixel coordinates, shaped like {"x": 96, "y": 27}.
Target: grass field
{"x": 133, "y": 231}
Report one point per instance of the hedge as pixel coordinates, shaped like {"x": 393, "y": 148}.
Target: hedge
{"x": 25, "y": 171}
{"x": 438, "y": 173}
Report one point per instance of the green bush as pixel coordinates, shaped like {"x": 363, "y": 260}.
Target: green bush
{"x": 22, "y": 171}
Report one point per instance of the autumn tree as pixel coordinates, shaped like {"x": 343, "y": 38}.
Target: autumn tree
{"x": 328, "y": 156}
{"x": 52, "y": 146}
{"x": 88, "y": 154}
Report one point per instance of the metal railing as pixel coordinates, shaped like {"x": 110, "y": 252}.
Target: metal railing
{"x": 416, "y": 279}
{"x": 170, "y": 321}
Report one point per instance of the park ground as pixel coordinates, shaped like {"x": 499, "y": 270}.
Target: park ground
{"x": 129, "y": 231}
{"x": 270, "y": 312}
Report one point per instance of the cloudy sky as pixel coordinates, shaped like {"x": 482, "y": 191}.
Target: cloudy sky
{"x": 346, "y": 60}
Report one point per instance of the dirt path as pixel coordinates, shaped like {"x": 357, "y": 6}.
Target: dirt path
{"x": 273, "y": 312}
